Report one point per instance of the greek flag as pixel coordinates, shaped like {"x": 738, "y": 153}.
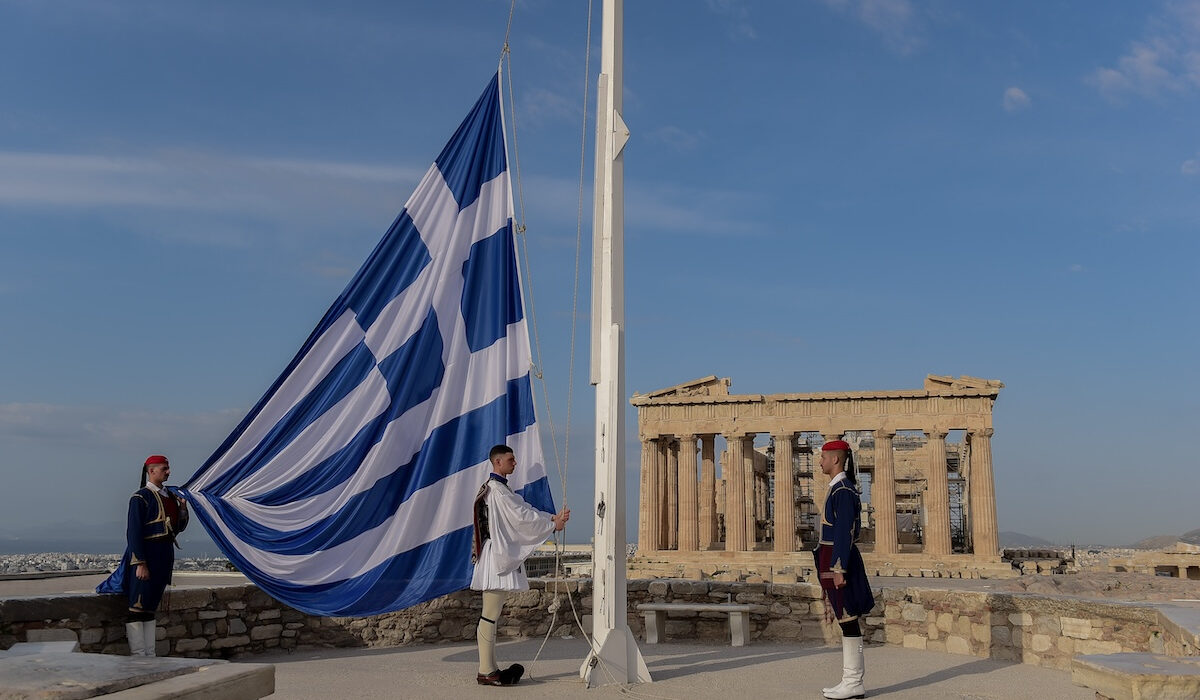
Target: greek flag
{"x": 348, "y": 488}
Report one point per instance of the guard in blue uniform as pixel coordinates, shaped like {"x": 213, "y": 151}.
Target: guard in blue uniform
{"x": 156, "y": 515}
{"x": 840, "y": 566}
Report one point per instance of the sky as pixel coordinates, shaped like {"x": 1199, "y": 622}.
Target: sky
{"x": 822, "y": 195}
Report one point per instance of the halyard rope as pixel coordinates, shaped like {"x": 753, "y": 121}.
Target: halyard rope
{"x": 561, "y": 463}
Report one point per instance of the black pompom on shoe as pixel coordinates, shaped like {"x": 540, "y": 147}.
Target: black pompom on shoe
{"x": 493, "y": 678}
{"x": 512, "y": 674}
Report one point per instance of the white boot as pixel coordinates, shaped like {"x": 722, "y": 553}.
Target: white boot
{"x": 852, "y": 672}
{"x": 137, "y": 643}
{"x": 149, "y": 634}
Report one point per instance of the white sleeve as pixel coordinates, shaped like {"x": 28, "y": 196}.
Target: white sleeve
{"x": 517, "y": 529}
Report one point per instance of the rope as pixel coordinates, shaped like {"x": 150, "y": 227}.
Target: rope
{"x": 520, "y": 230}
{"x": 563, "y": 462}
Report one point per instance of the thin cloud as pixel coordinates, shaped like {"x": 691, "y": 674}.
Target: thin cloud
{"x": 542, "y": 106}
{"x": 738, "y": 15}
{"x": 1015, "y": 100}
{"x": 1166, "y": 60}
{"x": 110, "y": 426}
{"x": 694, "y": 211}
{"x": 894, "y": 20}
{"x": 1190, "y": 166}
{"x": 226, "y": 197}
{"x": 677, "y": 138}
{"x": 1132, "y": 228}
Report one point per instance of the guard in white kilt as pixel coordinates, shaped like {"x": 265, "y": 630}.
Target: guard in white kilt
{"x": 507, "y": 530}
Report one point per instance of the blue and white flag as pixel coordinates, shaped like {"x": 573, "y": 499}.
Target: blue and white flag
{"x": 348, "y": 489}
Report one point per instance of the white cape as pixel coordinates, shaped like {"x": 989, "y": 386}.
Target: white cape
{"x": 516, "y": 529}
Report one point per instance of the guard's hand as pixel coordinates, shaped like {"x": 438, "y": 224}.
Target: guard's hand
{"x": 838, "y": 579}
{"x": 560, "y": 520}
{"x": 142, "y": 572}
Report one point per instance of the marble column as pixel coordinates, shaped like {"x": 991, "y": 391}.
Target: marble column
{"x": 982, "y": 489}
{"x": 708, "y": 491}
{"x": 937, "y": 497}
{"x": 648, "y": 535}
{"x": 664, "y": 527}
{"x": 748, "y": 473}
{"x": 734, "y": 471}
{"x": 689, "y": 530}
{"x": 883, "y": 494}
{"x": 673, "y": 495}
{"x": 785, "y": 499}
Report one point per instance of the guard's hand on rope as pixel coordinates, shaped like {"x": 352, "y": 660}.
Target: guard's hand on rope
{"x": 560, "y": 520}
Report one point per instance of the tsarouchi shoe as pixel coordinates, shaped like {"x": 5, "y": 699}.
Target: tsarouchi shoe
{"x": 512, "y": 674}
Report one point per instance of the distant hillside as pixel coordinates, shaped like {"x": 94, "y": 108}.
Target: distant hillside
{"x": 1017, "y": 539}
{"x": 1192, "y": 537}
{"x": 1155, "y": 542}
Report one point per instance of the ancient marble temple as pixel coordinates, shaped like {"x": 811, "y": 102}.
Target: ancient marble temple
{"x": 729, "y": 477}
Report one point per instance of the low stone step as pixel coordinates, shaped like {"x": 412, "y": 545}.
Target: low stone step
{"x": 1138, "y": 676}
{"x": 37, "y": 648}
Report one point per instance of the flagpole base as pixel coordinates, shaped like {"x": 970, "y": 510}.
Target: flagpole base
{"x": 618, "y": 660}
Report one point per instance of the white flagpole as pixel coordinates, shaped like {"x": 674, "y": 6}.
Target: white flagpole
{"x": 615, "y": 657}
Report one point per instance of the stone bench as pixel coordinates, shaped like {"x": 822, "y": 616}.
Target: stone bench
{"x": 656, "y": 618}
{"x": 1134, "y": 676}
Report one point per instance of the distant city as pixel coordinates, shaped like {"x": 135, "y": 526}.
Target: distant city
{"x": 48, "y": 562}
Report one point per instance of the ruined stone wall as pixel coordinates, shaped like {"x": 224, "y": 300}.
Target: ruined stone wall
{"x": 1028, "y": 628}
{"x": 235, "y": 620}
{"x": 197, "y": 622}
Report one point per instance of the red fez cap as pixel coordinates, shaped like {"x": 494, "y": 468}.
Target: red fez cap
{"x": 835, "y": 445}
{"x": 155, "y": 459}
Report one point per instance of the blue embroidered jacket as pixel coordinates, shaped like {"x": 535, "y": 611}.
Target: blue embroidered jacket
{"x": 840, "y": 523}
{"x": 149, "y": 521}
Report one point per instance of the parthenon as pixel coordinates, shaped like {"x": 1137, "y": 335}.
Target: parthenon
{"x": 924, "y": 459}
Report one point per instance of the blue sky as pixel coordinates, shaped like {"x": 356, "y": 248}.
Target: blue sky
{"x": 821, "y": 195}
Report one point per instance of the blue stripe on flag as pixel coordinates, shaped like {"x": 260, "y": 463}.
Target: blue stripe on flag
{"x": 390, "y": 269}
{"x": 537, "y": 494}
{"x": 341, "y": 380}
{"x": 475, "y": 154}
{"x": 491, "y": 266}
{"x": 412, "y": 373}
{"x": 433, "y": 569}
{"x": 459, "y": 444}
{"x": 393, "y": 265}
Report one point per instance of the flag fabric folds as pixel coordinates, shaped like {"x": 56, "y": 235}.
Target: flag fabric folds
{"x": 347, "y": 489}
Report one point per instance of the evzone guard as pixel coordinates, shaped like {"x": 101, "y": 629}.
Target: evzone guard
{"x": 840, "y": 568}
{"x": 507, "y": 531}
{"x": 155, "y": 516}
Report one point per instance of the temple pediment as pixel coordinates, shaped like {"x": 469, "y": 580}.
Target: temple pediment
{"x": 705, "y": 386}
{"x": 935, "y": 382}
